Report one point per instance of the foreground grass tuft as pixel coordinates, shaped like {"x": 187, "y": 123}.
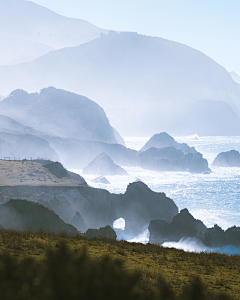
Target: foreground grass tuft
{"x": 52, "y": 266}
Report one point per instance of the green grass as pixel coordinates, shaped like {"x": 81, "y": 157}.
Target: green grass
{"x": 171, "y": 269}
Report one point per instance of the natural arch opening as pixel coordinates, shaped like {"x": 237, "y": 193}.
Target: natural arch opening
{"x": 119, "y": 224}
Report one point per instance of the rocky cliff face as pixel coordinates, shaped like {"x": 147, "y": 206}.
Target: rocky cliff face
{"x": 103, "y": 165}
{"x": 106, "y": 232}
{"x": 24, "y": 215}
{"x": 227, "y": 159}
{"x": 59, "y": 113}
{"x": 217, "y": 237}
{"x": 139, "y": 204}
{"x": 171, "y": 159}
{"x": 182, "y": 225}
{"x": 162, "y": 140}
{"x": 98, "y": 208}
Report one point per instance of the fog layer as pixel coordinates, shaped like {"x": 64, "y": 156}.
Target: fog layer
{"x": 145, "y": 84}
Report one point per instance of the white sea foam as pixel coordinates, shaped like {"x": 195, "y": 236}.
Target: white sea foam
{"x": 212, "y": 198}
{"x": 193, "y": 245}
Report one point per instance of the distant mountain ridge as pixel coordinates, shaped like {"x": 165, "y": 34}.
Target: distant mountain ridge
{"x": 143, "y": 83}
{"x": 235, "y": 77}
{"x": 28, "y": 31}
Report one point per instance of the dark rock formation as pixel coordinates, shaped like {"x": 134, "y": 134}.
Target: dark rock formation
{"x": 182, "y": 225}
{"x": 232, "y": 236}
{"x": 227, "y": 159}
{"x": 138, "y": 205}
{"x": 101, "y": 179}
{"x": 57, "y": 169}
{"x": 214, "y": 237}
{"x": 162, "y": 140}
{"x": 78, "y": 222}
{"x": 171, "y": 159}
{"x": 24, "y": 215}
{"x": 217, "y": 237}
{"x": 103, "y": 165}
{"x": 106, "y": 232}
{"x": 157, "y": 230}
{"x": 59, "y": 113}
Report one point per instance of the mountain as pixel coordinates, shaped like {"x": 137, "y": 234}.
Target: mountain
{"x": 235, "y": 77}
{"x": 28, "y": 30}
{"x": 143, "y": 83}
{"x": 59, "y": 113}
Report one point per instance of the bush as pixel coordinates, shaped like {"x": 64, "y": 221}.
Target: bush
{"x": 70, "y": 275}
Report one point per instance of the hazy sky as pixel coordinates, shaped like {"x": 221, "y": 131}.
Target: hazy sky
{"x": 211, "y": 26}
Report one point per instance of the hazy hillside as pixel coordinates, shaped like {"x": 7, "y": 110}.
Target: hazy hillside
{"x": 143, "y": 83}
{"x": 8, "y": 125}
{"x": 235, "y": 77}
{"x": 28, "y": 30}
{"x": 21, "y": 146}
{"x": 59, "y": 113}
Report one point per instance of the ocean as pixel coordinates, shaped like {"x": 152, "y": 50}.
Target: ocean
{"x": 213, "y": 198}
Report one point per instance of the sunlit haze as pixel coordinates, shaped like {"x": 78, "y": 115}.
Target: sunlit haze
{"x": 209, "y": 26}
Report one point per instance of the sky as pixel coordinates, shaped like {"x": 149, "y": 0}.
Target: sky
{"x": 211, "y": 26}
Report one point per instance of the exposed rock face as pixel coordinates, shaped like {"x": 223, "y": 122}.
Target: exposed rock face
{"x": 78, "y": 222}
{"x": 214, "y": 237}
{"x": 162, "y": 140}
{"x": 103, "y": 165}
{"x": 232, "y": 236}
{"x": 59, "y": 113}
{"x": 157, "y": 229}
{"x": 24, "y": 215}
{"x": 227, "y": 159}
{"x": 182, "y": 225}
{"x": 57, "y": 169}
{"x": 106, "y": 232}
{"x": 138, "y": 205}
{"x": 101, "y": 180}
{"x": 217, "y": 237}
{"x": 171, "y": 159}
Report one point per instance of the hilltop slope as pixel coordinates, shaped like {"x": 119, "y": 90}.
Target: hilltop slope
{"x": 48, "y": 31}
{"x": 24, "y": 215}
{"x": 137, "y": 79}
{"x": 59, "y": 113}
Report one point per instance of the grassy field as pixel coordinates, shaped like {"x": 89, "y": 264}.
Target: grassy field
{"x": 219, "y": 273}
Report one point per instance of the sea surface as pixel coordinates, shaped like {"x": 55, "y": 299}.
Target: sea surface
{"x": 213, "y": 198}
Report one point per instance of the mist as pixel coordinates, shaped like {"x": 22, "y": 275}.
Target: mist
{"x": 72, "y": 90}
